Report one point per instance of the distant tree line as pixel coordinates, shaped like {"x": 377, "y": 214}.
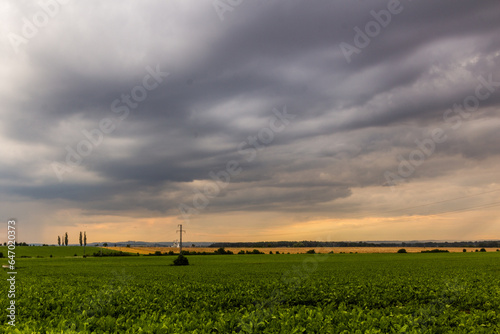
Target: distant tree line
{"x": 17, "y": 244}
{"x": 306, "y": 243}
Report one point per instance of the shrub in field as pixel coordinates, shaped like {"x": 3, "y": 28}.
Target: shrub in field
{"x": 157, "y": 253}
{"x": 120, "y": 253}
{"x": 270, "y": 252}
{"x": 311, "y": 251}
{"x": 435, "y": 251}
{"x": 464, "y": 250}
{"x": 483, "y": 250}
{"x": 277, "y": 252}
{"x": 402, "y": 250}
{"x": 241, "y": 252}
{"x": 1, "y": 255}
{"x": 222, "y": 251}
{"x": 181, "y": 261}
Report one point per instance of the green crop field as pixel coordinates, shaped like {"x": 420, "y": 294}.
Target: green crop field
{"x": 55, "y": 251}
{"x": 334, "y": 293}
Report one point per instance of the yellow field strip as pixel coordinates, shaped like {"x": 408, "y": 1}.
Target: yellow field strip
{"x": 295, "y": 250}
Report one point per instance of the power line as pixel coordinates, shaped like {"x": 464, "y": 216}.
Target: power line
{"x": 493, "y": 204}
{"x": 488, "y": 205}
{"x": 427, "y": 204}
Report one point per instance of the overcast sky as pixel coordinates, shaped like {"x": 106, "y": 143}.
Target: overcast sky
{"x": 250, "y": 120}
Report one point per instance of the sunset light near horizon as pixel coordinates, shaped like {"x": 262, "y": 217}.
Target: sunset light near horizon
{"x": 270, "y": 121}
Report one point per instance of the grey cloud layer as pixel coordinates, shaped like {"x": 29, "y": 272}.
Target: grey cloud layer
{"x": 352, "y": 119}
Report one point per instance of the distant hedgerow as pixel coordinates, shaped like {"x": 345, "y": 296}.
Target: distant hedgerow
{"x": 435, "y": 251}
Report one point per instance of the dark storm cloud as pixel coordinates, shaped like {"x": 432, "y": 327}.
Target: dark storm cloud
{"x": 352, "y": 118}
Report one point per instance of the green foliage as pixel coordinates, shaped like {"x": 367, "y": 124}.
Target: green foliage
{"x": 402, "y": 251}
{"x": 255, "y": 251}
{"x": 464, "y": 250}
{"x": 482, "y": 250}
{"x": 435, "y": 251}
{"x": 311, "y": 251}
{"x": 107, "y": 252}
{"x": 33, "y": 251}
{"x": 299, "y": 293}
{"x": 181, "y": 261}
{"x": 222, "y": 251}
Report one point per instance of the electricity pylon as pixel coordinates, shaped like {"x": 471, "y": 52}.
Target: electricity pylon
{"x": 180, "y": 243}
